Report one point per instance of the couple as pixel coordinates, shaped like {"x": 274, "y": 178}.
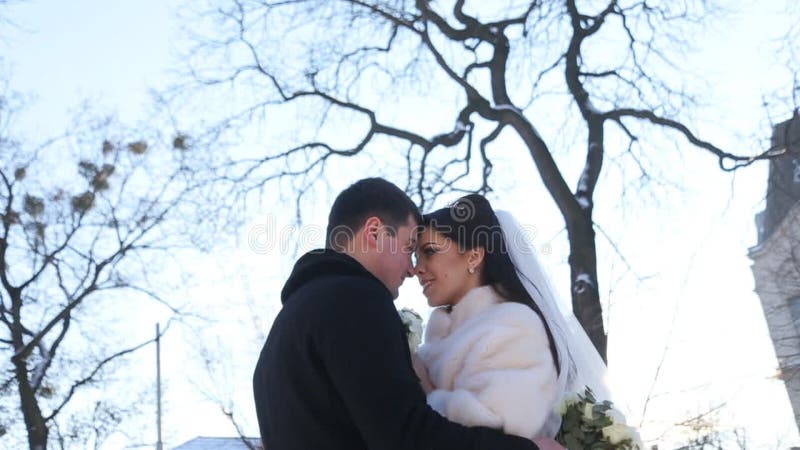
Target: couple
{"x": 336, "y": 371}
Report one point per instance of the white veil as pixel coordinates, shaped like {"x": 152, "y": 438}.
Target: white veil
{"x": 580, "y": 365}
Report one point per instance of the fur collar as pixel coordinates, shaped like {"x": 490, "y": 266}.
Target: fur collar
{"x": 445, "y": 319}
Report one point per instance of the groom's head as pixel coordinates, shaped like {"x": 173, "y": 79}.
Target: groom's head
{"x": 375, "y": 222}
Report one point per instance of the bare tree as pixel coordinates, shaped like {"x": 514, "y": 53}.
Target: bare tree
{"x": 83, "y": 218}
{"x": 224, "y": 372}
{"x": 495, "y": 67}
{"x": 783, "y": 102}
{"x": 216, "y": 382}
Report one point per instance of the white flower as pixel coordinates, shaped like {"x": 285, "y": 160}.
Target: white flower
{"x": 616, "y": 433}
{"x": 636, "y": 439}
{"x": 588, "y": 411}
{"x": 571, "y": 399}
{"x": 615, "y": 415}
{"x": 413, "y": 324}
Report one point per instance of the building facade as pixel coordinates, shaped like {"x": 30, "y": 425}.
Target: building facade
{"x": 776, "y": 257}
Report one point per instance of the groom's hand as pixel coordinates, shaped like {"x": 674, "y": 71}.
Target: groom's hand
{"x": 547, "y": 444}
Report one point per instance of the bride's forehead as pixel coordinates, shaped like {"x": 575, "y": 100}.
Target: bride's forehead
{"x": 429, "y": 234}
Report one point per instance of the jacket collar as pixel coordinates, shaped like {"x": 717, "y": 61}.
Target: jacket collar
{"x": 322, "y": 263}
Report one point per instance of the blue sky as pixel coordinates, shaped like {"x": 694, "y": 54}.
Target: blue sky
{"x": 690, "y": 247}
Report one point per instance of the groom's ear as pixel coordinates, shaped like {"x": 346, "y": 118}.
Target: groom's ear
{"x": 371, "y": 229}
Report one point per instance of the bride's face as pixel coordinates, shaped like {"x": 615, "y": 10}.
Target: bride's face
{"x": 443, "y": 269}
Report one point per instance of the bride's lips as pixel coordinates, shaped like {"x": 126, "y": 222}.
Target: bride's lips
{"x": 426, "y": 285}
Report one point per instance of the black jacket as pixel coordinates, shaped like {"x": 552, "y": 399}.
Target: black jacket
{"x": 335, "y": 372}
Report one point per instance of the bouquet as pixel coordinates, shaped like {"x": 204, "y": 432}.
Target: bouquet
{"x": 586, "y": 424}
{"x": 413, "y": 325}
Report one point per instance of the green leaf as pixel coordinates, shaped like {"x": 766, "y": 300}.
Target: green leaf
{"x": 590, "y": 395}
{"x": 572, "y": 443}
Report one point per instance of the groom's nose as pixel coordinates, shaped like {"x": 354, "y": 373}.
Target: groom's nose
{"x": 411, "y": 269}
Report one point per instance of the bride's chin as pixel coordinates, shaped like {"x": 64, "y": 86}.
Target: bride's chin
{"x": 435, "y": 302}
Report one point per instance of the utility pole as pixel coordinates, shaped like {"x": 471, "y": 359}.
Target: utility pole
{"x": 159, "y": 444}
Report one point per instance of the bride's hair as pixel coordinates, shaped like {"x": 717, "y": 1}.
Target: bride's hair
{"x": 471, "y": 222}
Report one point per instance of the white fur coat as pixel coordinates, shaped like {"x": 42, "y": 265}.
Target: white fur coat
{"x": 491, "y": 365}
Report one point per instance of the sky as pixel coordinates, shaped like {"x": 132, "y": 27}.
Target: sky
{"x": 685, "y": 309}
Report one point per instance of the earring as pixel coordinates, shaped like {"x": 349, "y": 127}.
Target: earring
{"x": 471, "y": 270}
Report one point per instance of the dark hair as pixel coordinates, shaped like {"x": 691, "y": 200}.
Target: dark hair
{"x": 363, "y": 199}
{"x": 471, "y": 223}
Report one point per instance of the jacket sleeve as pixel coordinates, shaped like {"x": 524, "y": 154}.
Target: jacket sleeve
{"x": 362, "y": 345}
{"x": 508, "y": 379}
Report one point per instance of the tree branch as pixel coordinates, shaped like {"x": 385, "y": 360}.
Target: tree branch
{"x": 41, "y": 369}
{"x": 97, "y": 369}
{"x": 723, "y": 156}
{"x": 442, "y": 25}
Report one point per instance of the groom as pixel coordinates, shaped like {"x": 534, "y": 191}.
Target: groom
{"x": 335, "y": 372}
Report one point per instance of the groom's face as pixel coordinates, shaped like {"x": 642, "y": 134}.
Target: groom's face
{"x": 393, "y": 255}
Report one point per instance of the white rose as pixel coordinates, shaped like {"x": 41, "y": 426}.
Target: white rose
{"x": 588, "y": 412}
{"x": 414, "y": 340}
{"x": 413, "y": 323}
{"x": 568, "y": 401}
{"x": 615, "y": 415}
{"x": 571, "y": 399}
{"x": 636, "y": 439}
{"x": 616, "y": 433}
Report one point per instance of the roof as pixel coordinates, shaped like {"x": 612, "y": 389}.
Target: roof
{"x": 218, "y": 443}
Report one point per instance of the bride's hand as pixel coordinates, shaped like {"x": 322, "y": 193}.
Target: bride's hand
{"x": 422, "y": 373}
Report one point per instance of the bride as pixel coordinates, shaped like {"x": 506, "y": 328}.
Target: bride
{"x": 498, "y": 352}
